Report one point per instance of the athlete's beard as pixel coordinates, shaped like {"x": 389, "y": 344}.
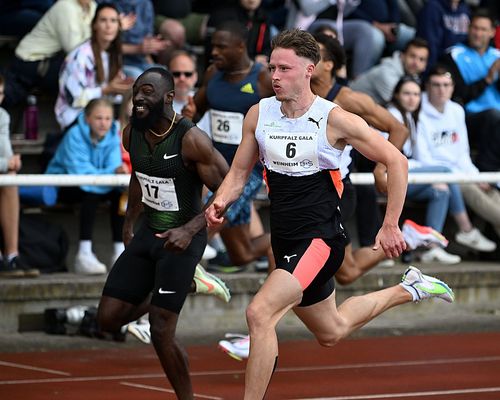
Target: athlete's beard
{"x": 154, "y": 115}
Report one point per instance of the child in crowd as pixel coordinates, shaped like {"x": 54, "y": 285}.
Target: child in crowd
{"x": 92, "y": 146}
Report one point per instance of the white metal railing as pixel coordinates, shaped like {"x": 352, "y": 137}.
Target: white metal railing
{"x": 123, "y": 180}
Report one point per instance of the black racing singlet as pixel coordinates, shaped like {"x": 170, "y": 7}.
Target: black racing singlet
{"x": 171, "y": 193}
{"x": 334, "y": 91}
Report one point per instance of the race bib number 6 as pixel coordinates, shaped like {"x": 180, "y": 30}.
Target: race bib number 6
{"x": 158, "y": 193}
{"x": 292, "y": 153}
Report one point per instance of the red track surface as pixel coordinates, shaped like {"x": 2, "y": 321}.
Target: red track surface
{"x": 444, "y": 367}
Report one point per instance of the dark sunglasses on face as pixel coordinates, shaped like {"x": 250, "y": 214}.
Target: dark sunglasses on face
{"x": 187, "y": 74}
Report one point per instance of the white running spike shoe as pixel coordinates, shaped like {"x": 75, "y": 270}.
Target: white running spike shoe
{"x": 423, "y": 287}
{"x": 417, "y": 235}
{"x": 208, "y": 283}
{"x": 141, "y": 330}
{"x": 236, "y": 345}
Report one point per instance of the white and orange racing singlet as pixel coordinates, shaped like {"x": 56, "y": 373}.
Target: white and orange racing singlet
{"x": 296, "y": 146}
{"x": 301, "y": 170}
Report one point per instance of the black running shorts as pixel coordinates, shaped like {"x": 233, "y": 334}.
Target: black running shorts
{"x": 313, "y": 262}
{"x": 145, "y": 267}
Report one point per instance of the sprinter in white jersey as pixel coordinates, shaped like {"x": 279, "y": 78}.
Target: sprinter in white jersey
{"x": 299, "y": 138}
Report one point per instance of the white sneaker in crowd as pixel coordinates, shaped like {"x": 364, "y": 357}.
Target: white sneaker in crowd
{"x": 475, "y": 240}
{"x": 237, "y": 345}
{"x": 209, "y": 253}
{"x": 423, "y": 287}
{"x": 88, "y": 264}
{"x": 416, "y": 235}
{"x": 437, "y": 254}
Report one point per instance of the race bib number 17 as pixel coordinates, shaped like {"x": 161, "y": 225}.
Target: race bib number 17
{"x": 158, "y": 193}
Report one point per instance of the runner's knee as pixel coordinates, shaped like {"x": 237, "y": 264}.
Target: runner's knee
{"x": 163, "y": 325}
{"x": 256, "y": 316}
{"x": 330, "y": 339}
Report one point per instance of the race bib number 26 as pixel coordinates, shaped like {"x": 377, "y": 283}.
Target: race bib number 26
{"x": 226, "y": 126}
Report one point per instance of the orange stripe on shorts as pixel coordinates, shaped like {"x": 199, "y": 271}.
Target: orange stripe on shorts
{"x": 311, "y": 262}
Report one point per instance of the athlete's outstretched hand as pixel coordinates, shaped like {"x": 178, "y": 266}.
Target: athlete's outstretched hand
{"x": 213, "y": 214}
{"x": 391, "y": 240}
{"x": 177, "y": 239}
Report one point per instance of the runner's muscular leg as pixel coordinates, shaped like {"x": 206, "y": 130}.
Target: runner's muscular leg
{"x": 280, "y": 292}
{"x": 172, "y": 356}
{"x": 113, "y": 313}
{"x": 357, "y": 262}
{"x": 330, "y": 324}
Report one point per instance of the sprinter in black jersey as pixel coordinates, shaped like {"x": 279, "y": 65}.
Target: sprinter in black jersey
{"x": 299, "y": 137}
{"x": 171, "y": 160}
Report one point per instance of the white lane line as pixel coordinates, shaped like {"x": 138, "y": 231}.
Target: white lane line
{"x": 32, "y": 368}
{"x": 242, "y": 370}
{"x": 409, "y": 394}
{"x": 393, "y": 364}
{"x": 160, "y": 389}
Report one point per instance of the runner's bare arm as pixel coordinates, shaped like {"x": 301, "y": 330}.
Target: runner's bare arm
{"x": 379, "y": 118}
{"x": 351, "y": 128}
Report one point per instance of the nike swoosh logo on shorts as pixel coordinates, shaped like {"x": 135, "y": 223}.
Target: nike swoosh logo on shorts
{"x": 165, "y": 157}
{"x": 161, "y": 291}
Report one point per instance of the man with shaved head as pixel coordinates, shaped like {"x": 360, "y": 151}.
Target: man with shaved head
{"x": 171, "y": 160}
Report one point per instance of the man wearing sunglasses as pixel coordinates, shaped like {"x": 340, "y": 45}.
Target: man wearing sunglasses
{"x": 182, "y": 66}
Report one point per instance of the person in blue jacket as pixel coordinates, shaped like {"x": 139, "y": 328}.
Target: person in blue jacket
{"x": 92, "y": 146}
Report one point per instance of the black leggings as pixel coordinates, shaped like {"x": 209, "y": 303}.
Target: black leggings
{"x": 89, "y": 203}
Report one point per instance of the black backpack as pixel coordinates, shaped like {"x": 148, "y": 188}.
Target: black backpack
{"x": 43, "y": 244}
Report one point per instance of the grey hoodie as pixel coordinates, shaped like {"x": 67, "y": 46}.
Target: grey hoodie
{"x": 379, "y": 81}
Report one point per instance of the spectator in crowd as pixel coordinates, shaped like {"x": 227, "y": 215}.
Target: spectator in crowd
{"x": 379, "y": 81}
{"x": 18, "y": 17}
{"x": 475, "y": 67}
{"x": 440, "y": 197}
{"x": 182, "y": 66}
{"x": 92, "y": 146}
{"x": 139, "y": 44}
{"x": 39, "y": 55}
{"x": 442, "y": 140}
{"x": 251, "y": 14}
{"x": 232, "y": 84}
{"x": 443, "y": 23}
{"x": 11, "y": 262}
{"x": 93, "y": 69}
{"x": 409, "y": 10}
{"x": 387, "y": 30}
{"x": 355, "y": 35}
